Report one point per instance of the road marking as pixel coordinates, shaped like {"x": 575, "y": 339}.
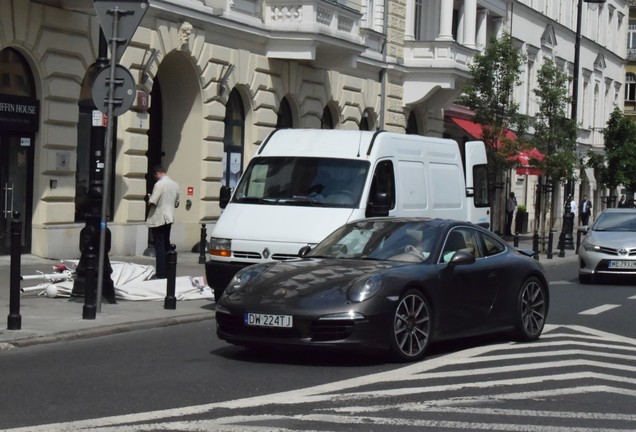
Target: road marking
{"x": 346, "y": 392}
{"x": 599, "y": 309}
{"x": 562, "y": 282}
{"x": 631, "y": 298}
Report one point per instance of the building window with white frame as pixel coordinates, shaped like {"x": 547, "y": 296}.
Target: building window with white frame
{"x": 630, "y": 87}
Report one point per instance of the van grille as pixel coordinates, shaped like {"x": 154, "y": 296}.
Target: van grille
{"x": 246, "y": 255}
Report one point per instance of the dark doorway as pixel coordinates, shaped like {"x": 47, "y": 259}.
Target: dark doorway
{"x": 16, "y": 180}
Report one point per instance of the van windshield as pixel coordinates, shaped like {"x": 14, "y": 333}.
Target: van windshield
{"x": 303, "y": 181}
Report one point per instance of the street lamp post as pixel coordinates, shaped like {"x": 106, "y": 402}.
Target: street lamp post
{"x": 566, "y": 237}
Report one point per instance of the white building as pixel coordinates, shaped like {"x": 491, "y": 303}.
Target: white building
{"x": 222, "y": 74}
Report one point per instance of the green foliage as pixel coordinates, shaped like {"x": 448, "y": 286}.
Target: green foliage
{"x": 618, "y": 165}
{"x": 554, "y": 132}
{"x": 521, "y": 208}
{"x": 490, "y": 94}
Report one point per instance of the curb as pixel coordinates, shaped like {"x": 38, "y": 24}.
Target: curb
{"x": 105, "y": 330}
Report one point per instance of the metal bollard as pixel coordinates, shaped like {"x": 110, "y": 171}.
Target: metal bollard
{"x": 14, "y": 320}
{"x": 535, "y": 242}
{"x": 515, "y": 241}
{"x": 578, "y": 241}
{"x": 202, "y": 244}
{"x": 550, "y": 243}
{"x": 170, "y": 302}
{"x": 89, "y": 311}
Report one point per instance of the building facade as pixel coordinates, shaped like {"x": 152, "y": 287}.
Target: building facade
{"x": 214, "y": 77}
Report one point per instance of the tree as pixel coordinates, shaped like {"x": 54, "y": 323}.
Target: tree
{"x": 618, "y": 164}
{"x": 490, "y": 94}
{"x": 554, "y": 133}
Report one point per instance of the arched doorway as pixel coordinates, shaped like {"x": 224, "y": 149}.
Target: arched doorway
{"x": 233, "y": 139}
{"x": 19, "y": 121}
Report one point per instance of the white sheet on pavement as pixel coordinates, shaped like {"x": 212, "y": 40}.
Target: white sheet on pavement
{"x": 132, "y": 282}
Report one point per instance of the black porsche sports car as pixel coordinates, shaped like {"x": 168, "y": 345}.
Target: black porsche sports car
{"x": 388, "y": 283}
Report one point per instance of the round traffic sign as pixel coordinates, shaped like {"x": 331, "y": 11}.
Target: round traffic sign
{"x": 123, "y": 90}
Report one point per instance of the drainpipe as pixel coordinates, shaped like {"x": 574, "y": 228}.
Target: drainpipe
{"x": 383, "y": 71}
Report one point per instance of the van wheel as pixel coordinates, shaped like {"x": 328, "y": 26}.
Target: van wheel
{"x": 411, "y": 327}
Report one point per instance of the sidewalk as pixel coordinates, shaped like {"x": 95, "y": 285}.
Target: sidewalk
{"x": 46, "y": 320}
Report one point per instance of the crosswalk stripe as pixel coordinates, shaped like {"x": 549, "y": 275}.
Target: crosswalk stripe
{"x": 599, "y": 309}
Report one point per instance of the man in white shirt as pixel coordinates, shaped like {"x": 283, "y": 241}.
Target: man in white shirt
{"x": 163, "y": 200}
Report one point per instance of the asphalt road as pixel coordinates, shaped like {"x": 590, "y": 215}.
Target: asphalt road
{"x": 579, "y": 376}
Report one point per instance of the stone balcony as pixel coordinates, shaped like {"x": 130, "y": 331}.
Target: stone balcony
{"x": 435, "y": 69}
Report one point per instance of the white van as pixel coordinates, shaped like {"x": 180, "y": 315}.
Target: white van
{"x": 304, "y": 183}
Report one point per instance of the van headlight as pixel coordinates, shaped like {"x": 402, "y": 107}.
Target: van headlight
{"x": 220, "y": 247}
{"x": 364, "y": 288}
{"x": 244, "y": 277}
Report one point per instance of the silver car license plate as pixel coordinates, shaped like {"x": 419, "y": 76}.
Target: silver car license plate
{"x": 622, "y": 264}
{"x": 267, "y": 320}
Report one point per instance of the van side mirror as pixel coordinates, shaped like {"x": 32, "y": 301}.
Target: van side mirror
{"x": 304, "y": 251}
{"x": 378, "y": 205}
{"x": 224, "y": 196}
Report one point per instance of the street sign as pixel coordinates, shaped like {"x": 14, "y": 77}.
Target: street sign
{"x": 119, "y": 19}
{"x": 124, "y": 92}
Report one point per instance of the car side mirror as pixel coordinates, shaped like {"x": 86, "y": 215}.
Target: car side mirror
{"x": 378, "y": 205}
{"x": 224, "y": 196}
{"x": 461, "y": 258}
{"x": 304, "y": 251}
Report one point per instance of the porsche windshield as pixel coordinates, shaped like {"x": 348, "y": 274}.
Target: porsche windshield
{"x": 304, "y": 181}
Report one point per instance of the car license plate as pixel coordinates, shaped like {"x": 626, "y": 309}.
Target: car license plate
{"x": 267, "y": 320}
{"x": 622, "y": 264}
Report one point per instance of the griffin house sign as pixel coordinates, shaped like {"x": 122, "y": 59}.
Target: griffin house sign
{"x": 19, "y": 113}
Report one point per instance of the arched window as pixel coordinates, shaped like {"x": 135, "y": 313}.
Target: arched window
{"x": 630, "y": 87}
{"x": 367, "y": 122}
{"x": 411, "y": 125}
{"x": 326, "y": 121}
{"x": 233, "y": 139}
{"x": 285, "y": 119}
{"x": 15, "y": 74}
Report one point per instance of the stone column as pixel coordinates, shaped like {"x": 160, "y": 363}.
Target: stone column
{"x": 482, "y": 28}
{"x": 445, "y": 21}
{"x": 409, "y": 31}
{"x": 470, "y": 21}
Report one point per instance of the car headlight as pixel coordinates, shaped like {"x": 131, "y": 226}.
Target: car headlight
{"x": 591, "y": 247}
{"x": 243, "y": 277}
{"x": 364, "y": 288}
{"x": 220, "y": 247}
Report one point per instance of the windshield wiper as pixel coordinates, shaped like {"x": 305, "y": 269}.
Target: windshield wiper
{"x": 255, "y": 200}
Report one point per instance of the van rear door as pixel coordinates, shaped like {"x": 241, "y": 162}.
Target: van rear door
{"x": 478, "y": 202}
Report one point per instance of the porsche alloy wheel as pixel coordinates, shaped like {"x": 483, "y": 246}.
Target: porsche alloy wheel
{"x": 532, "y": 308}
{"x": 411, "y": 327}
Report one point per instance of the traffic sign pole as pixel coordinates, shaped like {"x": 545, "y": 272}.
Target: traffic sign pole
{"x": 119, "y": 19}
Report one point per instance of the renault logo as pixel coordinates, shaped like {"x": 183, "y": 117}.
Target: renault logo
{"x": 266, "y": 253}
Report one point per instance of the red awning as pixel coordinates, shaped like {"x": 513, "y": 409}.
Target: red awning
{"x": 475, "y": 130}
{"x": 525, "y": 166}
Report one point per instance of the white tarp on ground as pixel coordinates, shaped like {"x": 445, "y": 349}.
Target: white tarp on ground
{"x": 131, "y": 281}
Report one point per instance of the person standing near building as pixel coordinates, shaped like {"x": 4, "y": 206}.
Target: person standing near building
{"x": 511, "y": 206}
{"x": 586, "y": 210}
{"x": 622, "y": 203}
{"x": 163, "y": 200}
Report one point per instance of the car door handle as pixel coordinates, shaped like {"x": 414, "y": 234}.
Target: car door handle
{"x": 492, "y": 275}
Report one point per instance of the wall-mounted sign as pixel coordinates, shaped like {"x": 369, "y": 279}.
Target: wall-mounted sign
{"x": 190, "y": 190}
{"x": 19, "y": 113}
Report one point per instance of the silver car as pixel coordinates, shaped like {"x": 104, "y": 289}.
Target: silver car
{"x": 609, "y": 246}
